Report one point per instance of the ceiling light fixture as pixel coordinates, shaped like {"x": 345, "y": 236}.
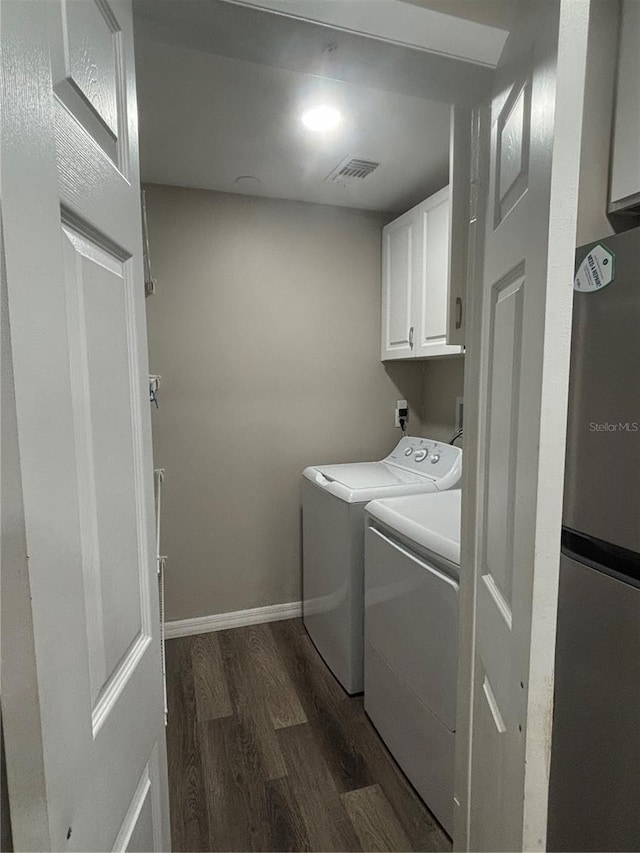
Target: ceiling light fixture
{"x": 321, "y": 118}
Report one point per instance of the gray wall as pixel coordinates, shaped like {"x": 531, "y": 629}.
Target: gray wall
{"x": 265, "y": 329}
{"x": 443, "y": 383}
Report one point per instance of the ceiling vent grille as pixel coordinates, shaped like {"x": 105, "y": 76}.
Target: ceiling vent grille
{"x": 353, "y": 169}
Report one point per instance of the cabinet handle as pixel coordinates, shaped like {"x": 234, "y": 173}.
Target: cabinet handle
{"x": 411, "y": 338}
{"x": 458, "y": 312}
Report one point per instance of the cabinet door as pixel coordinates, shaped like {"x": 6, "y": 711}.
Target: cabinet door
{"x": 625, "y": 160}
{"x": 459, "y": 186}
{"x": 432, "y": 292}
{"x": 399, "y": 245}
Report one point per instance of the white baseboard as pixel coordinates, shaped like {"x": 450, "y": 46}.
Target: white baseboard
{"x": 237, "y": 619}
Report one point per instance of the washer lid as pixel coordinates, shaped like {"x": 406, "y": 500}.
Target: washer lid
{"x": 431, "y": 520}
{"x": 370, "y": 475}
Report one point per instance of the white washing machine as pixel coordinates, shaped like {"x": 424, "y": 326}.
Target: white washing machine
{"x": 333, "y": 501}
{"x": 412, "y": 558}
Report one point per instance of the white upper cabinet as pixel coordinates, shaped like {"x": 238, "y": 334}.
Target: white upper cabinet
{"x": 415, "y": 282}
{"x": 433, "y": 279}
{"x": 625, "y": 160}
{"x": 400, "y": 270}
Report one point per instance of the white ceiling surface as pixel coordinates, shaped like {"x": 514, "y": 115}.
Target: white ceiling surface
{"x": 492, "y": 13}
{"x": 207, "y": 119}
{"x": 242, "y": 32}
{"x": 400, "y": 22}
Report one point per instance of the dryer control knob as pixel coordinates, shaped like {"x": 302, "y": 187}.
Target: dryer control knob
{"x": 435, "y": 458}
{"x": 420, "y": 455}
{"x": 408, "y": 451}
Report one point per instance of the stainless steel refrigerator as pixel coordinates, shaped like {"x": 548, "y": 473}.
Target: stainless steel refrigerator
{"x": 595, "y": 761}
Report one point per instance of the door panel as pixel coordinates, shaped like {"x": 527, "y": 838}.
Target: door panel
{"x": 99, "y": 289}
{"x": 79, "y": 353}
{"x": 513, "y": 138}
{"x": 512, "y": 495}
{"x": 490, "y": 762}
{"x": 88, "y": 71}
{"x": 98, "y": 306}
{"x": 91, "y": 46}
{"x": 139, "y": 830}
{"x": 501, "y": 415}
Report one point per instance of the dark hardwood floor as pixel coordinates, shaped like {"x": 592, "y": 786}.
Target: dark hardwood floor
{"x": 267, "y": 752}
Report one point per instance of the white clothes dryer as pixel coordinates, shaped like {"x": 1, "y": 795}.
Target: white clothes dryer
{"x": 333, "y": 501}
{"x": 412, "y": 559}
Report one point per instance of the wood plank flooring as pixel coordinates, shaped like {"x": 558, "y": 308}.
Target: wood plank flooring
{"x": 268, "y": 753}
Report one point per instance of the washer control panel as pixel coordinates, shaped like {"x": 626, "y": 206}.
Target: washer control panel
{"x": 434, "y": 459}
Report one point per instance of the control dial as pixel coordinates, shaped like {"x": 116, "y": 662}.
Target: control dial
{"x": 421, "y": 455}
{"x": 435, "y": 458}
{"x": 408, "y": 451}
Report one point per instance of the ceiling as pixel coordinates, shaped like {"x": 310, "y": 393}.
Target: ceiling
{"x": 491, "y": 13}
{"x": 418, "y": 25}
{"x": 221, "y": 88}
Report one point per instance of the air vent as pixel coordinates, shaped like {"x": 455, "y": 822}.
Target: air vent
{"x": 353, "y": 169}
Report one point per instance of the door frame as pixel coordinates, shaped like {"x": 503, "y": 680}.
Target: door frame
{"x": 16, "y": 629}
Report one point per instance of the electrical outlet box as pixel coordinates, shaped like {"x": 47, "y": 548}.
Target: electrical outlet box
{"x": 402, "y": 411}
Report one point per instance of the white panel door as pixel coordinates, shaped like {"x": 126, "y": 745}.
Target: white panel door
{"x": 431, "y": 295}
{"x": 85, "y": 737}
{"x": 515, "y": 450}
{"x": 399, "y": 269}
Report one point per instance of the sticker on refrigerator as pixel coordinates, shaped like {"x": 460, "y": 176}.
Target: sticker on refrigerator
{"x": 596, "y": 271}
